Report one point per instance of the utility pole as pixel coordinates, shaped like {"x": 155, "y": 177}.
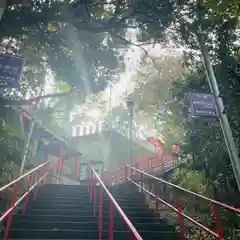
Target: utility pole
{"x": 26, "y": 148}
{"x": 226, "y": 129}
{"x": 2, "y": 8}
{"x": 130, "y": 105}
{"x": 30, "y": 133}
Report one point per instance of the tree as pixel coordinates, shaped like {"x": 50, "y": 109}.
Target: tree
{"x": 69, "y": 34}
{"x": 219, "y": 20}
{"x": 79, "y": 57}
{"x": 10, "y": 143}
{"x": 152, "y": 95}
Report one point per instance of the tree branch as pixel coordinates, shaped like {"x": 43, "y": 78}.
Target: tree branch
{"x": 32, "y": 100}
{"x": 137, "y": 45}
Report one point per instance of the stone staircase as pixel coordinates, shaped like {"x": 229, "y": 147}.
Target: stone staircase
{"x": 65, "y": 212}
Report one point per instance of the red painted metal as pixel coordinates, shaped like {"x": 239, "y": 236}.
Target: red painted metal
{"x": 141, "y": 182}
{"x": 9, "y": 219}
{"x": 156, "y": 199}
{"x": 197, "y": 224}
{"x": 77, "y": 167}
{"x": 40, "y": 173}
{"x": 61, "y": 170}
{"x": 60, "y": 159}
{"x": 94, "y": 199}
{"x": 100, "y": 214}
{"x": 126, "y": 172}
{"x": 90, "y": 185}
{"x": 179, "y": 210}
{"x": 6, "y": 213}
{"x": 113, "y": 203}
{"x": 37, "y": 176}
{"x": 228, "y": 207}
{"x": 46, "y": 168}
{"x": 24, "y": 198}
{"x": 45, "y": 179}
{"x": 218, "y": 222}
{"x": 87, "y": 178}
{"x": 22, "y": 177}
{"x": 180, "y": 218}
{"x": 111, "y": 221}
{"x": 158, "y": 160}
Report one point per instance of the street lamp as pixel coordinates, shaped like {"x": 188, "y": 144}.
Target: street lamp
{"x": 130, "y": 106}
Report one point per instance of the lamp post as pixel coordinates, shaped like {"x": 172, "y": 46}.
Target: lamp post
{"x": 130, "y": 105}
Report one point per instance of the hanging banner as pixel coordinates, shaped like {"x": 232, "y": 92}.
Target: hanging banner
{"x": 202, "y": 105}
{"x": 10, "y": 71}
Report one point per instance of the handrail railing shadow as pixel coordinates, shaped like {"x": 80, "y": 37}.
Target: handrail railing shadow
{"x": 94, "y": 182}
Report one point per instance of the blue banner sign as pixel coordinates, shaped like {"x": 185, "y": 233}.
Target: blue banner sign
{"x": 202, "y": 105}
{"x": 10, "y": 70}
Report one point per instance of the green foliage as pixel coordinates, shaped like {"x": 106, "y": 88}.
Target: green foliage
{"x": 10, "y": 146}
{"x": 190, "y": 179}
{"x": 208, "y": 170}
{"x": 52, "y": 38}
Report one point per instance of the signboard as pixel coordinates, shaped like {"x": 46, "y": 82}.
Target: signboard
{"x": 202, "y": 105}
{"x": 10, "y": 70}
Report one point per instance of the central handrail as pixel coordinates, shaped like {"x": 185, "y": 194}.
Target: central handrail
{"x": 93, "y": 178}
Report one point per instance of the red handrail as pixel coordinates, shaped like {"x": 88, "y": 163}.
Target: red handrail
{"x": 230, "y": 208}
{"x": 92, "y": 180}
{"x": 148, "y": 164}
{"x": 41, "y": 171}
{"x": 179, "y": 209}
{"x": 23, "y": 176}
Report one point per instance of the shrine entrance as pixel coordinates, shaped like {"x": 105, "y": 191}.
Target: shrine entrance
{"x": 98, "y": 166}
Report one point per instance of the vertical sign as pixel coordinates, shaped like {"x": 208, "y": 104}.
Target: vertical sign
{"x": 202, "y": 105}
{"x": 10, "y": 71}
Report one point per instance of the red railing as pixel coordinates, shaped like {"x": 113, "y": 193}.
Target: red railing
{"x": 155, "y": 162}
{"x": 95, "y": 183}
{"x": 156, "y": 191}
{"x": 35, "y": 177}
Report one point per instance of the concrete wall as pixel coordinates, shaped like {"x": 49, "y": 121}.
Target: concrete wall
{"x": 110, "y": 147}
